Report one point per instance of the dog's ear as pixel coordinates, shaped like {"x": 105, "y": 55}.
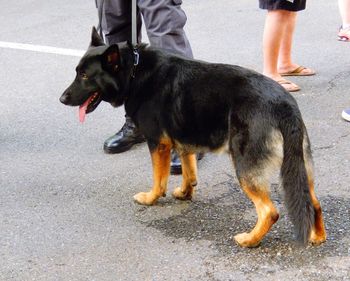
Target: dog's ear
{"x": 111, "y": 57}
{"x": 96, "y": 39}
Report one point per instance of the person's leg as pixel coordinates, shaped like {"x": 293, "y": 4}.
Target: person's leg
{"x": 285, "y": 63}
{"x": 115, "y": 18}
{"x": 344, "y": 31}
{"x": 344, "y": 9}
{"x": 275, "y": 25}
{"x": 165, "y": 21}
{"x": 274, "y": 32}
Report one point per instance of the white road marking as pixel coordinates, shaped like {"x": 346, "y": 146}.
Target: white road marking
{"x": 42, "y": 49}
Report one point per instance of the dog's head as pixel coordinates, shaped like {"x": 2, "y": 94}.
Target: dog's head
{"x": 96, "y": 78}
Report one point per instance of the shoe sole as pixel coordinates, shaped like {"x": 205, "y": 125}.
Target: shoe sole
{"x": 343, "y": 38}
{"x": 120, "y": 149}
{"x": 345, "y": 116}
{"x": 175, "y": 170}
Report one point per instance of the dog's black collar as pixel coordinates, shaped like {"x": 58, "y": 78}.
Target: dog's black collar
{"x": 136, "y": 55}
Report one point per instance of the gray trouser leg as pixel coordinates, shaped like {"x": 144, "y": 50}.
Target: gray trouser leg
{"x": 164, "y": 20}
{"x": 116, "y": 20}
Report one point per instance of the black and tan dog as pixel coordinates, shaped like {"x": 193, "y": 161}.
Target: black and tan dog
{"x": 195, "y": 106}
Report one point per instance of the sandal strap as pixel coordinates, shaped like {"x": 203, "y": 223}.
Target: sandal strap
{"x": 284, "y": 81}
{"x": 294, "y": 87}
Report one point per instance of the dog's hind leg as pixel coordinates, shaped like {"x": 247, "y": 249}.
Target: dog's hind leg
{"x": 160, "y": 154}
{"x": 189, "y": 177}
{"x": 266, "y": 211}
{"x": 318, "y": 233}
{"x": 255, "y": 159}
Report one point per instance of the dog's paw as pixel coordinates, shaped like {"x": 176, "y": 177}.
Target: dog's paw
{"x": 145, "y": 198}
{"x": 179, "y": 194}
{"x": 317, "y": 238}
{"x": 245, "y": 240}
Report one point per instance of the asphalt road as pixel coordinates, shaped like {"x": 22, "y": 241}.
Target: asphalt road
{"x": 66, "y": 208}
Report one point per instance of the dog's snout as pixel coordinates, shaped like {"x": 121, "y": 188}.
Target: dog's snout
{"x": 65, "y": 98}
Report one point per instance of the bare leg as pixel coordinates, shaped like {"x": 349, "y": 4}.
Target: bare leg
{"x": 285, "y": 63}
{"x": 344, "y": 9}
{"x": 278, "y": 34}
{"x": 189, "y": 177}
{"x": 161, "y": 168}
{"x": 275, "y": 26}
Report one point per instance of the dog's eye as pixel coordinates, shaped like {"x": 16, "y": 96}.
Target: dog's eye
{"x": 83, "y": 76}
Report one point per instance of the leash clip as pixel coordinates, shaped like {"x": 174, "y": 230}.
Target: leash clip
{"x": 136, "y": 60}
{"x": 136, "y": 56}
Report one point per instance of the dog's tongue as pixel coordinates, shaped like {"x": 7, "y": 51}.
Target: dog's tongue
{"x": 82, "y": 109}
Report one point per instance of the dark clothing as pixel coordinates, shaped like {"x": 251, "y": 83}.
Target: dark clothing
{"x": 164, "y": 21}
{"x": 288, "y": 5}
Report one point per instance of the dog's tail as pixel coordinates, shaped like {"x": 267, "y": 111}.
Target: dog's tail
{"x": 295, "y": 175}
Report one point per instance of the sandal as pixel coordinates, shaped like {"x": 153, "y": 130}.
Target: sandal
{"x": 344, "y": 34}
{"x": 288, "y": 85}
{"x": 299, "y": 71}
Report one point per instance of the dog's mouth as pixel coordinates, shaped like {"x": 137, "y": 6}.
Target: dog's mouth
{"x": 89, "y": 105}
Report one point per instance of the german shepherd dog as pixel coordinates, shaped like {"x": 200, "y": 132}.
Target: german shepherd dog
{"x": 195, "y": 106}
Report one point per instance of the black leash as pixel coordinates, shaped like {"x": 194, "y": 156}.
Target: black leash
{"x": 134, "y": 37}
{"x": 132, "y": 108}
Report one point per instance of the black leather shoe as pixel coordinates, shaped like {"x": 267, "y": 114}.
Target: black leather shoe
{"x": 122, "y": 141}
{"x": 175, "y": 165}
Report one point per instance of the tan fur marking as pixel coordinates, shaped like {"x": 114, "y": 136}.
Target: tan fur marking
{"x": 189, "y": 177}
{"x": 318, "y": 233}
{"x": 161, "y": 168}
{"x": 266, "y": 211}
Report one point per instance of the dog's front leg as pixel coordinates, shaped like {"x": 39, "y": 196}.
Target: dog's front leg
{"x": 189, "y": 177}
{"x": 160, "y": 154}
